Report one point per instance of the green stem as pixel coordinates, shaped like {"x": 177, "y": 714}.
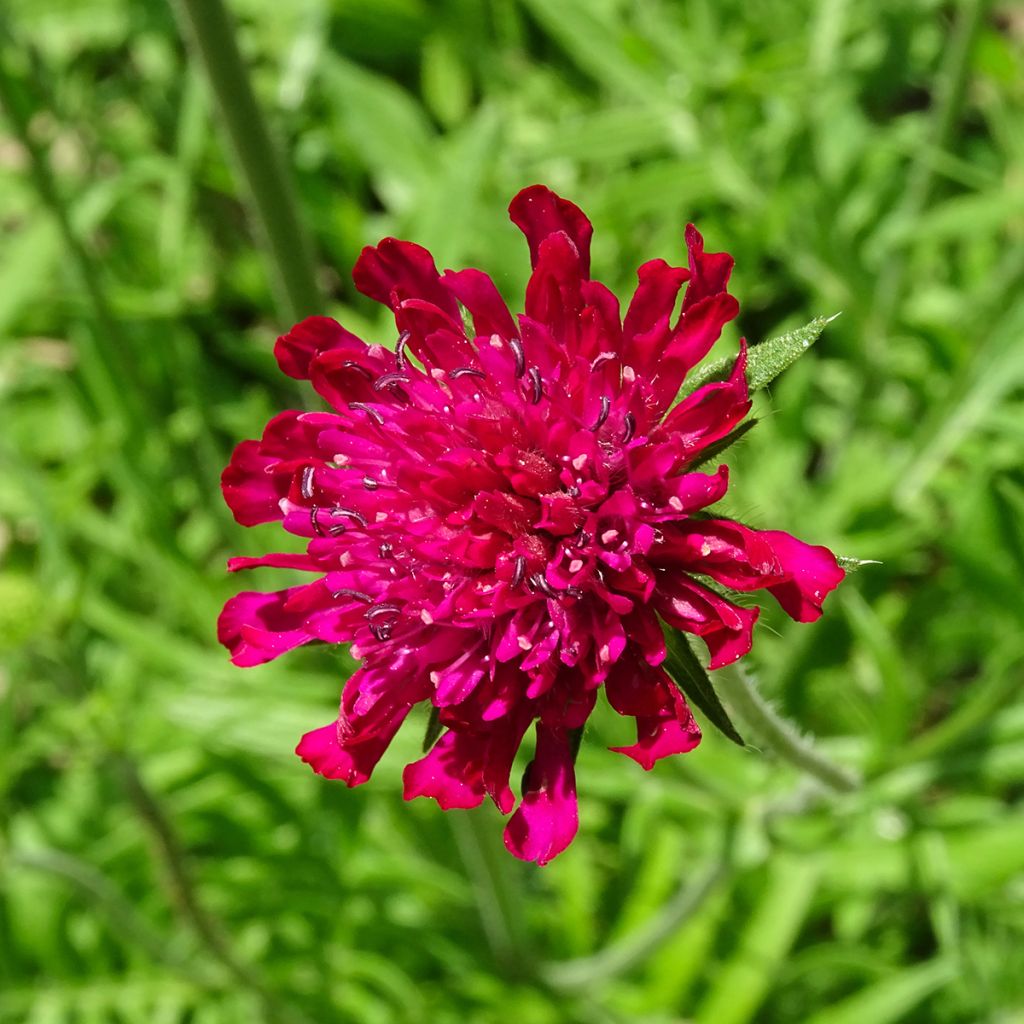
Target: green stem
{"x": 498, "y": 904}
{"x": 184, "y": 893}
{"x": 634, "y": 949}
{"x": 738, "y": 689}
{"x": 208, "y": 27}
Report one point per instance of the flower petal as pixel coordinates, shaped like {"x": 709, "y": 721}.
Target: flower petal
{"x": 812, "y": 571}
{"x": 295, "y": 350}
{"x": 538, "y": 212}
{"x": 393, "y": 271}
{"x": 547, "y": 818}
{"x": 451, "y": 773}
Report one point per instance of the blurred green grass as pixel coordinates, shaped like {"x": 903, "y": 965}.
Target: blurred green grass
{"x": 165, "y": 858}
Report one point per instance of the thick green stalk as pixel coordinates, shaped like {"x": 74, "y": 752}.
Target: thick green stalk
{"x": 738, "y": 689}
{"x": 208, "y": 28}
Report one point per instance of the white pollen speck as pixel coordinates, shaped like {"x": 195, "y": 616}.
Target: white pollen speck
{"x": 579, "y": 462}
{"x": 380, "y": 517}
{"x": 495, "y": 341}
{"x": 341, "y": 459}
{"x": 675, "y": 503}
{"x": 605, "y": 653}
{"x": 575, "y": 565}
{"x": 705, "y": 549}
{"x": 628, "y": 374}
{"x": 608, "y": 536}
{"x": 344, "y": 558}
{"x": 437, "y": 373}
{"x": 435, "y": 678}
{"x": 426, "y": 617}
{"x": 524, "y": 644}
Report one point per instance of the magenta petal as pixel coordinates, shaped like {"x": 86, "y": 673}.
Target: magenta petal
{"x": 709, "y": 271}
{"x": 547, "y": 818}
{"x": 250, "y": 491}
{"x": 323, "y": 750}
{"x": 451, "y": 773}
{"x": 538, "y": 212}
{"x": 671, "y": 730}
{"x": 813, "y": 574}
{"x": 256, "y": 627}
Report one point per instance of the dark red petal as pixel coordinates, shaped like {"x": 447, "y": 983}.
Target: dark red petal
{"x": 553, "y": 293}
{"x": 393, "y": 271}
{"x": 479, "y": 294}
{"x": 250, "y": 491}
{"x": 538, "y": 212}
{"x": 451, "y": 773}
{"x": 295, "y": 350}
{"x": 669, "y": 730}
{"x": 709, "y": 271}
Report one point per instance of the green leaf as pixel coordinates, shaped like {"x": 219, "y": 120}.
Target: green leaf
{"x": 434, "y": 730}
{"x": 692, "y": 678}
{"x": 765, "y": 361}
{"x": 848, "y": 564}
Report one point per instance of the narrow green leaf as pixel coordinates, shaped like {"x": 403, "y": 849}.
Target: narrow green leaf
{"x": 848, "y": 564}
{"x": 765, "y": 361}
{"x": 691, "y": 677}
{"x": 434, "y": 729}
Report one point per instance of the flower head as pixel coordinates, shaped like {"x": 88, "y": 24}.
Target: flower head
{"x": 498, "y": 516}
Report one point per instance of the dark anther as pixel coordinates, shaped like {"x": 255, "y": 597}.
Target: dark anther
{"x": 370, "y": 484}
{"x": 517, "y": 576}
{"x": 385, "y": 550}
{"x": 606, "y": 405}
{"x": 337, "y": 531}
{"x": 381, "y": 609}
{"x": 466, "y": 371}
{"x": 374, "y": 414}
{"x": 630, "y": 428}
{"x": 573, "y": 592}
{"x": 317, "y": 528}
{"x": 351, "y": 364}
{"x": 356, "y": 595}
{"x": 381, "y": 630}
{"x": 351, "y": 513}
{"x": 403, "y": 340}
{"x": 573, "y": 492}
{"x": 307, "y": 482}
{"x": 389, "y": 380}
{"x": 539, "y": 583}
{"x": 537, "y": 383}
{"x": 600, "y": 360}
{"x": 517, "y": 350}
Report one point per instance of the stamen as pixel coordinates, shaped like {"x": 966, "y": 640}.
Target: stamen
{"x": 517, "y": 575}
{"x": 630, "y": 428}
{"x": 307, "y": 482}
{"x": 374, "y": 414}
{"x": 517, "y": 350}
{"x": 351, "y": 513}
{"x": 381, "y": 609}
{"x": 370, "y": 484}
{"x": 403, "y": 340}
{"x": 389, "y": 380}
{"x": 538, "y": 388}
{"x": 351, "y": 364}
{"x": 385, "y": 550}
{"x": 600, "y": 360}
{"x": 573, "y": 492}
{"x": 539, "y": 583}
{"x": 356, "y": 595}
{"x": 606, "y": 405}
{"x": 381, "y": 630}
{"x": 466, "y": 371}
{"x": 317, "y": 528}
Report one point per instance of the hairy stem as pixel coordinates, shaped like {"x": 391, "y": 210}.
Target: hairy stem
{"x": 208, "y": 29}
{"x": 737, "y": 688}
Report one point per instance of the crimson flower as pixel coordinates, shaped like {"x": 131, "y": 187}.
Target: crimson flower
{"x": 499, "y": 515}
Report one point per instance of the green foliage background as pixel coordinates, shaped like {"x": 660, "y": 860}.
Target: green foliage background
{"x": 164, "y": 858}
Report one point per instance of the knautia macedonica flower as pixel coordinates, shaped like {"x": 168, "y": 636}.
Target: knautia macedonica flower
{"x": 499, "y": 516}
